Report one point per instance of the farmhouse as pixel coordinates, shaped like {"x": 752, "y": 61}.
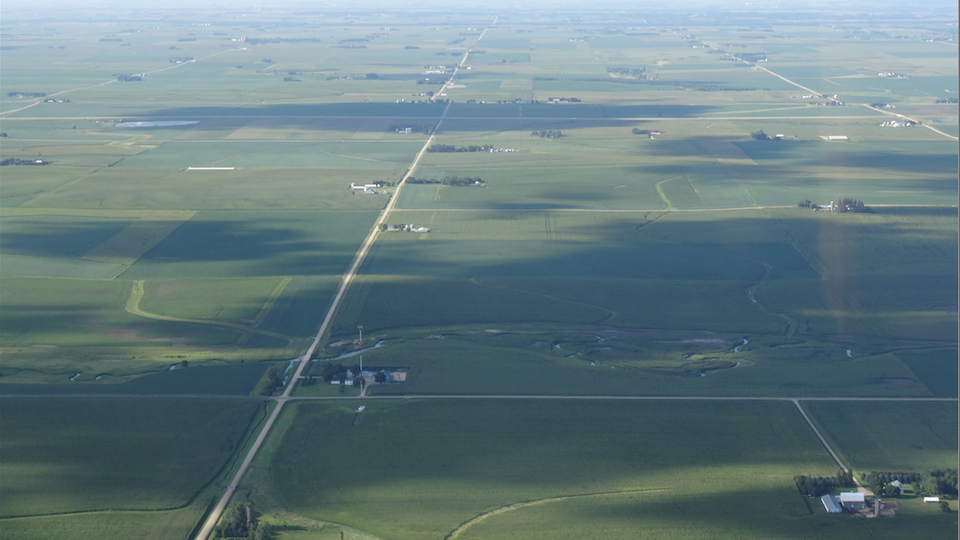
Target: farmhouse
{"x": 368, "y": 189}
{"x": 852, "y": 501}
{"x": 831, "y": 504}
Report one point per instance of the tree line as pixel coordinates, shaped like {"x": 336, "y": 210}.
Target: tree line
{"x": 816, "y": 486}
{"x": 937, "y": 482}
{"x": 240, "y": 522}
{"x": 18, "y": 161}
{"x": 547, "y": 134}
{"x": 844, "y": 205}
{"x": 271, "y": 381}
{"x": 447, "y": 181}
{"x": 445, "y": 148}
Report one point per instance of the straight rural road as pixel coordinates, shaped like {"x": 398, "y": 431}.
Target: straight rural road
{"x": 358, "y": 259}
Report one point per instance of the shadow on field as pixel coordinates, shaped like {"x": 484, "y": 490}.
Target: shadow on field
{"x": 586, "y": 115}
{"x": 725, "y": 469}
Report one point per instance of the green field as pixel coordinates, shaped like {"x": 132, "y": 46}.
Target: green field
{"x": 927, "y": 434}
{"x": 628, "y": 469}
{"x": 89, "y": 458}
{"x": 633, "y": 234}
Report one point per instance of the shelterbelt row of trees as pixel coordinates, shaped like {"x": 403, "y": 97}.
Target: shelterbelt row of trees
{"x": 451, "y": 148}
{"x": 447, "y": 181}
{"x": 815, "y": 486}
{"x": 845, "y": 204}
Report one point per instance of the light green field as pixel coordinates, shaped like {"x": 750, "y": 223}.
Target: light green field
{"x": 243, "y": 300}
{"x": 603, "y": 262}
{"x": 254, "y": 188}
{"x": 156, "y": 525}
{"x": 272, "y": 154}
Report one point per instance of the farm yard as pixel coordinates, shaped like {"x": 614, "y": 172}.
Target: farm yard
{"x": 612, "y": 255}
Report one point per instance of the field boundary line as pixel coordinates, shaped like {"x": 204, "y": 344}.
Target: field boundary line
{"x": 516, "y": 506}
{"x": 272, "y": 299}
{"x": 358, "y": 259}
{"x": 132, "y": 306}
{"x": 150, "y": 231}
{"x": 819, "y": 436}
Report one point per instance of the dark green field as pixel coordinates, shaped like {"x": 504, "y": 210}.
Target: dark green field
{"x": 92, "y": 458}
{"x": 626, "y": 469}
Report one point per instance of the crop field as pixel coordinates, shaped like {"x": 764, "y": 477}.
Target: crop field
{"x": 934, "y": 368}
{"x": 256, "y": 244}
{"x": 627, "y": 470}
{"x": 927, "y": 434}
{"x": 615, "y": 204}
{"x": 90, "y": 458}
{"x": 273, "y": 154}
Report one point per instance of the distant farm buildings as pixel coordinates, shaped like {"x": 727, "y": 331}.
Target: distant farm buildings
{"x": 368, "y": 189}
{"x": 831, "y": 504}
{"x": 896, "y": 123}
{"x": 370, "y": 377}
{"x": 834, "y": 137}
{"x": 852, "y": 501}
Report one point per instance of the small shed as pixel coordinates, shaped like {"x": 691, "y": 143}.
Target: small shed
{"x": 853, "y": 500}
{"x": 831, "y": 504}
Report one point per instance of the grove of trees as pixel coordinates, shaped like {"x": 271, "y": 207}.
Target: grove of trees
{"x": 817, "y": 486}
{"x": 451, "y": 148}
{"x": 547, "y": 134}
{"x": 238, "y": 521}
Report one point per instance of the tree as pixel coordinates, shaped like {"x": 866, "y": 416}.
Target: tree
{"x": 261, "y": 531}
{"x": 380, "y": 377}
{"x": 944, "y": 506}
{"x": 760, "y": 135}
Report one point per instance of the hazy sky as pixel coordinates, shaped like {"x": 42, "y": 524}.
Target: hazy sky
{"x": 946, "y": 6}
